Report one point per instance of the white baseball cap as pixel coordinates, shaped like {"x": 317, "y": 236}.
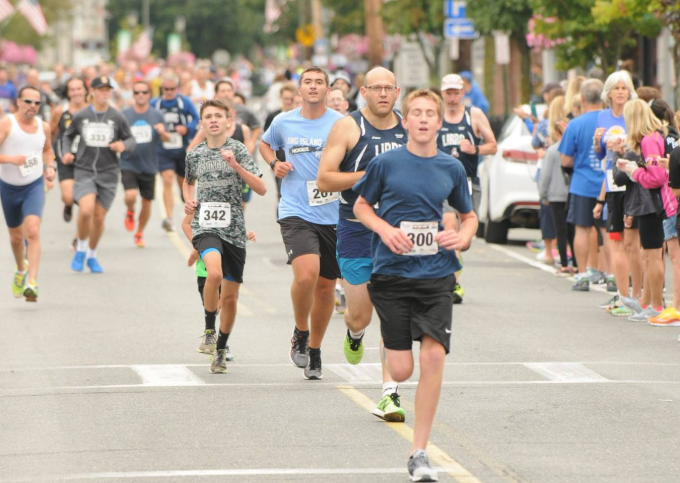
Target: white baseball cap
{"x": 452, "y": 81}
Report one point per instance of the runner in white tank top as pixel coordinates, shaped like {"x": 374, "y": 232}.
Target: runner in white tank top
{"x": 26, "y": 157}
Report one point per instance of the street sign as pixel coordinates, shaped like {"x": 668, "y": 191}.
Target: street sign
{"x": 459, "y": 29}
{"x": 411, "y": 67}
{"x": 454, "y": 8}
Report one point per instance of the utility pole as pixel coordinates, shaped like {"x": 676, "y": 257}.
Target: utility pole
{"x": 145, "y": 15}
{"x": 374, "y": 31}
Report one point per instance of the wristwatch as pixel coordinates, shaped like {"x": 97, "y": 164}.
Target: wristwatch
{"x": 476, "y": 150}
{"x": 271, "y": 165}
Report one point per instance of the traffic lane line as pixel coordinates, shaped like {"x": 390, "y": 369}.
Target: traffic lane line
{"x": 541, "y": 266}
{"x": 438, "y": 456}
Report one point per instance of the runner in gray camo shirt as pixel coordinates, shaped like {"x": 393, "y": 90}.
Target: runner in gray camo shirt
{"x": 220, "y": 165}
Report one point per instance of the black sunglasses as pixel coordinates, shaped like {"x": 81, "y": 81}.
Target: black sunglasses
{"x": 29, "y": 102}
{"x": 140, "y": 92}
{"x": 169, "y": 88}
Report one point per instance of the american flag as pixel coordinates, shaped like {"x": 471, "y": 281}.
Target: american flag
{"x": 6, "y": 9}
{"x": 34, "y": 14}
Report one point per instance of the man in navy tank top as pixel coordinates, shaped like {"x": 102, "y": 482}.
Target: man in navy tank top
{"x": 353, "y": 142}
{"x": 466, "y": 135}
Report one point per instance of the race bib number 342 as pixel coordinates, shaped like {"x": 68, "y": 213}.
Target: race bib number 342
{"x": 421, "y": 234}
{"x": 317, "y": 197}
{"x": 215, "y": 215}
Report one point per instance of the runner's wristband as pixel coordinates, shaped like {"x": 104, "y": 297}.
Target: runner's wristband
{"x": 600, "y": 202}
{"x": 476, "y": 150}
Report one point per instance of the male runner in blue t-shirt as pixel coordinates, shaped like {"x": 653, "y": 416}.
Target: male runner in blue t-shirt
{"x": 353, "y": 142}
{"x": 307, "y": 216}
{"x": 413, "y": 261}
{"x": 181, "y": 121}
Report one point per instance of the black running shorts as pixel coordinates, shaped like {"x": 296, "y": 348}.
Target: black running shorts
{"x": 143, "y": 182}
{"x": 301, "y": 237}
{"x": 233, "y": 257}
{"x": 411, "y": 308}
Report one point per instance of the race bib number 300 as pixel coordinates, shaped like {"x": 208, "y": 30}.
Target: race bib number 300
{"x": 31, "y": 164}
{"x": 98, "y": 135}
{"x": 215, "y": 215}
{"x": 317, "y": 197}
{"x": 421, "y": 234}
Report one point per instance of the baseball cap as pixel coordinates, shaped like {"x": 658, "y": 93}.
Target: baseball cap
{"x": 341, "y": 74}
{"x": 467, "y": 75}
{"x": 452, "y": 81}
{"x": 102, "y": 81}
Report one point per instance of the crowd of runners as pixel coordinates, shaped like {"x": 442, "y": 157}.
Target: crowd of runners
{"x": 375, "y": 203}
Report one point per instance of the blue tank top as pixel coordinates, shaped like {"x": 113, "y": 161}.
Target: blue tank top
{"x": 450, "y": 136}
{"x": 371, "y": 143}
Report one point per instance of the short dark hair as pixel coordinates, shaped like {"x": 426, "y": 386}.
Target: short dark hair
{"x": 27, "y": 87}
{"x": 214, "y": 103}
{"x": 240, "y": 95}
{"x": 314, "y": 68}
{"x": 222, "y": 81}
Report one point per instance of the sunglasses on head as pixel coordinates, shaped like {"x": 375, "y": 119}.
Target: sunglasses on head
{"x": 140, "y": 92}
{"x": 29, "y": 102}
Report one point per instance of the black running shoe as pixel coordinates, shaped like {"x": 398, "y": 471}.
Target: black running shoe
{"x": 68, "y": 213}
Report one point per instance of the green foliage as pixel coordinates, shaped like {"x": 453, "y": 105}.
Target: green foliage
{"x": 590, "y": 29}
{"x": 20, "y": 31}
{"x": 234, "y": 25}
{"x": 347, "y": 16}
{"x": 410, "y": 16}
{"x": 506, "y": 15}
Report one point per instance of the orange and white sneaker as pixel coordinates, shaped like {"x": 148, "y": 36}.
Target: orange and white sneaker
{"x": 130, "y": 220}
{"x": 139, "y": 240}
{"x": 668, "y": 318}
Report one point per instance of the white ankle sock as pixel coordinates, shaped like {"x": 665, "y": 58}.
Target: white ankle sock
{"x": 91, "y": 253}
{"x": 356, "y": 335}
{"x": 82, "y": 245}
{"x": 389, "y": 388}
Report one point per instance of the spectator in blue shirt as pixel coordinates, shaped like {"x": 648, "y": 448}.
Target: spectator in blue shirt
{"x": 8, "y": 92}
{"x": 473, "y": 94}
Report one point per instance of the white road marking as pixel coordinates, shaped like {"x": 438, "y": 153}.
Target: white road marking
{"x": 565, "y": 372}
{"x": 221, "y": 472}
{"x": 167, "y": 375}
{"x": 362, "y": 373}
{"x": 541, "y": 266}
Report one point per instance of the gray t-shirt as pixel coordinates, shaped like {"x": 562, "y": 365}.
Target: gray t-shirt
{"x": 246, "y": 116}
{"x": 95, "y": 131}
{"x": 143, "y": 158}
{"x": 218, "y": 183}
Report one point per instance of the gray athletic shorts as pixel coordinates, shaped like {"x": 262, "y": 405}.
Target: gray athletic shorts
{"x": 104, "y": 184}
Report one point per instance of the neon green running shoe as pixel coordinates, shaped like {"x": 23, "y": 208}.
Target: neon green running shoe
{"x": 19, "y": 284}
{"x": 389, "y": 409}
{"x": 621, "y": 311}
{"x": 31, "y": 291}
{"x": 458, "y": 294}
{"x": 354, "y": 349}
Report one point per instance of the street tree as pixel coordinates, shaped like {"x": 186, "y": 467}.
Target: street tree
{"x": 593, "y": 29}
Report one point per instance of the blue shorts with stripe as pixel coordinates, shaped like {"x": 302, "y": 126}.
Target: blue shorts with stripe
{"x": 354, "y": 251}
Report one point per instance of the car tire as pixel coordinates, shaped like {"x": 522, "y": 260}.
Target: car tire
{"x": 496, "y": 232}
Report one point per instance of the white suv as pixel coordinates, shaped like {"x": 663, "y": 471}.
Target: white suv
{"x": 509, "y": 192}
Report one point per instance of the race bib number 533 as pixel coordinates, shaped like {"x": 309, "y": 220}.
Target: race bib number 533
{"x": 215, "y": 215}
{"x": 421, "y": 234}
{"x": 317, "y": 197}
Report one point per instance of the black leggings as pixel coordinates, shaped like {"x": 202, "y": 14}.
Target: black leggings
{"x": 564, "y": 230}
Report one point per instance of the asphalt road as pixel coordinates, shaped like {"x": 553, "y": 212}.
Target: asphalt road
{"x": 100, "y": 380}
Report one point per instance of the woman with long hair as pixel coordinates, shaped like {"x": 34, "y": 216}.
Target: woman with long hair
{"x": 552, "y": 186}
{"x": 653, "y": 203}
